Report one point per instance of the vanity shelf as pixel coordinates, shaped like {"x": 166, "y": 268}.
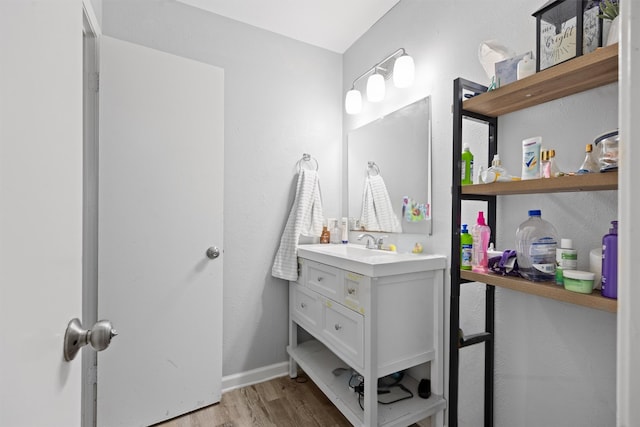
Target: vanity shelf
{"x": 577, "y": 75}
{"x": 543, "y": 289}
{"x": 318, "y": 362}
{"x": 563, "y": 184}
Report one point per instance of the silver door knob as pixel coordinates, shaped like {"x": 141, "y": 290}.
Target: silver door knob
{"x": 213, "y": 252}
{"x": 75, "y": 337}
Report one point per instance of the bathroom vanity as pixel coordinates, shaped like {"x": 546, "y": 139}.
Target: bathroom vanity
{"x": 370, "y": 313}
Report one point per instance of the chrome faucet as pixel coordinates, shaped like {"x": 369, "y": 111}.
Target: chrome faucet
{"x": 372, "y": 242}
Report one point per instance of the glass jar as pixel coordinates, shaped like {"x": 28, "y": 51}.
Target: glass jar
{"x": 607, "y": 148}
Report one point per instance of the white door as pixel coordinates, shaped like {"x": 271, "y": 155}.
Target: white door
{"x": 40, "y": 210}
{"x": 160, "y": 209}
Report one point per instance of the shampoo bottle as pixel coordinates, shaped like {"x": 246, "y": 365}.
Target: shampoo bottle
{"x": 466, "y": 248}
{"x": 481, "y": 234}
{"x": 467, "y": 166}
{"x": 610, "y": 262}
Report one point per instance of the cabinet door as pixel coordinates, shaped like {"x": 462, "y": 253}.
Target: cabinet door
{"x": 343, "y": 330}
{"x": 305, "y": 307}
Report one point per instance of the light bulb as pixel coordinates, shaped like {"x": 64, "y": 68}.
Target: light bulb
{"x": 403, "y": 71}
{"x": 353, "y": 102}
{"x": 375, "y": 88}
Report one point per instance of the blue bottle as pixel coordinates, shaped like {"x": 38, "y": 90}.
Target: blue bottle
{"x": 610, "y": 262}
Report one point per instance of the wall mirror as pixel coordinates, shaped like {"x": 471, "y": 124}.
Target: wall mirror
{"x": 399, "y": 145}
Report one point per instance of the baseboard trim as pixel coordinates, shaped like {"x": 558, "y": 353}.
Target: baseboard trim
{"x": 254, "y": 376}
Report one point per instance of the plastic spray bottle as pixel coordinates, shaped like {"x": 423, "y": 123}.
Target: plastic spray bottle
{"x": 466, "y": 248}
{"x": 467, "y": 165}
{"x": 481, "y": 233}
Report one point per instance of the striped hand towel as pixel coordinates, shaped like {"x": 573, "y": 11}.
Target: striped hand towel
{"x": 377, "y": 211}
{"x": 305, "y": 219}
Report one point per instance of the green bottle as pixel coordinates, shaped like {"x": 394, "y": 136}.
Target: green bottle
{"x": 466, "y": 248}
{"x": 467, "y": 165}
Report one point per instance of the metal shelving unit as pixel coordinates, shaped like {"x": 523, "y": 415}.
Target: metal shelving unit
{"x": 577, "y": 75}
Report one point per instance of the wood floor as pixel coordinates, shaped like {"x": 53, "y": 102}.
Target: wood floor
{"x": 281, "y": 402}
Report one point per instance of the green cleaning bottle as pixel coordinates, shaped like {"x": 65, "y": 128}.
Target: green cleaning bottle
{"x": 466, "y": 248}
{"x": 467, "y": 165}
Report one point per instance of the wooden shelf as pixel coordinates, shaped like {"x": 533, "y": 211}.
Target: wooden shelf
{"x": 577, "y": 75}
{"x": 563, "y": 184}
{"x": 544, "y": 289}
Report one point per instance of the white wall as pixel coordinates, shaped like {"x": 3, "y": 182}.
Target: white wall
{"x": 555, "y": 362}
{"x": 282, "y": 99}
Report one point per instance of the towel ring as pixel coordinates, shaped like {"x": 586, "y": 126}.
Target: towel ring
{"x": 306, "y": 158}
{"x": 372, "y": 167}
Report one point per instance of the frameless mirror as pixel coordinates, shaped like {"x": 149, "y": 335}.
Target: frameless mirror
{"x": 397, "y": 148}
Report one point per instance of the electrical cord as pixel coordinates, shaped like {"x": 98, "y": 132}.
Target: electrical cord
{"x": 359, "y": 388}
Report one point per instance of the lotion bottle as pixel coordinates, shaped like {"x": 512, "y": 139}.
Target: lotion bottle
{"x": 345, "y": 230}
{"x": 334, "y": 231}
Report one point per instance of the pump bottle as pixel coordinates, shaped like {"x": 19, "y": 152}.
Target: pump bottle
{"x": 466, "y": 248}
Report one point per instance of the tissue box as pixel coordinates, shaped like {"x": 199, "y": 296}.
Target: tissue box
{"x": 507, "y": 70}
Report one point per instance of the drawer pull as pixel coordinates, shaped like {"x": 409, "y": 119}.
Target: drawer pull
{"x": 319, "y": 279}
{"x": 303, "y": 305}
{"x": 351, "y": 291}
{"x": 338, "y": 326}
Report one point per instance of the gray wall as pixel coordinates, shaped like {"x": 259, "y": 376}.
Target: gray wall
{"x": 555, "y": 362}
{"x": 282, "y": 99}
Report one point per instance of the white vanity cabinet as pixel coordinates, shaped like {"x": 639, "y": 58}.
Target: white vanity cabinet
{"x": 376, "y": 324}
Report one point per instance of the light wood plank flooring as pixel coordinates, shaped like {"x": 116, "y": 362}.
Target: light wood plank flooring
{"x": 281, "y": 402}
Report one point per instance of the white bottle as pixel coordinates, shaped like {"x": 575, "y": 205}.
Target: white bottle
{"x": 334, "y": 229}
{"x": 531, "y": 157}
{"x": 345, "y": 230}
{"x": 526, "y": 67}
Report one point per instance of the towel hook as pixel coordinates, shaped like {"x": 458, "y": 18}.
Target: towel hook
{"x": 372, "y": 167}
{"x": 306, "y": 158}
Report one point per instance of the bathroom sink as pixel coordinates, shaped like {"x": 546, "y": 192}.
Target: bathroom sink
{"x": 370, "y": 262}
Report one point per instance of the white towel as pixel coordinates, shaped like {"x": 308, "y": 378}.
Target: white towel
{"x": 304, "y": 219}
{"x": 377, "y": 211}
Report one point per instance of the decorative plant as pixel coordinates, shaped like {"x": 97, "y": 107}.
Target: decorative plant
{"x": 609, "y": 9}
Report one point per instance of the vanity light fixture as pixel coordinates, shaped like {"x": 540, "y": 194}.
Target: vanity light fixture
{"x": 403, "y": 72}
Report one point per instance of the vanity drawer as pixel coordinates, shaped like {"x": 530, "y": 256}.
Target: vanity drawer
{"x": 323, "y": 279}
{"x": 305, "y": 307}
{"x": 343, "y": 329}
